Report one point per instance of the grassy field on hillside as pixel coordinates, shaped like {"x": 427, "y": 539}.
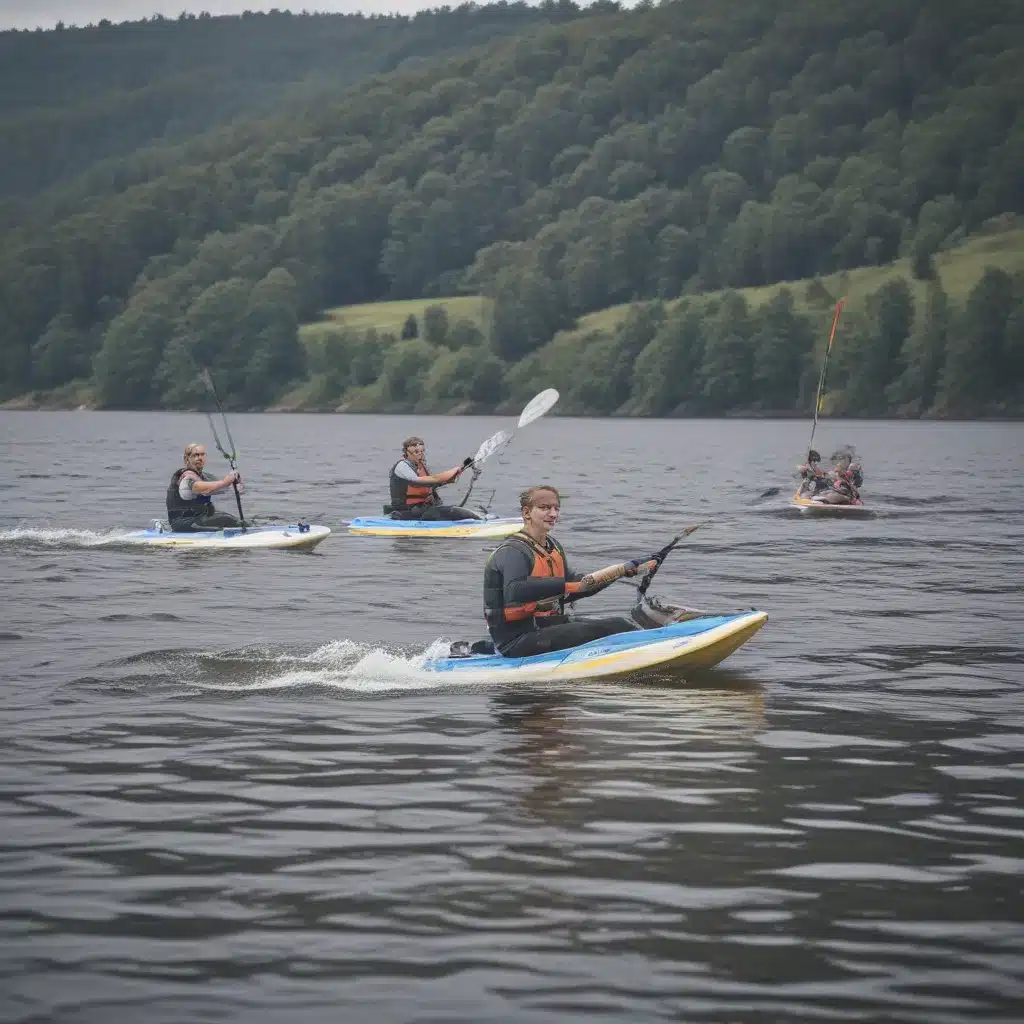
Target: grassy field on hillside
{"x": 959, "y": 269}
{"x": 389, "y": 317}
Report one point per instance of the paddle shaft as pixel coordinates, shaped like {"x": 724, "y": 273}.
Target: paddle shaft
{"x": 465, "y": 498}
{"x": 824, "y": 366}
{"x": 660, "y": 556}
{"x": 230, "y": 456}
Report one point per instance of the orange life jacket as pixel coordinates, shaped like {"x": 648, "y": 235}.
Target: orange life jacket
{"x": 845, "y": 485}
{"x": 419, "y": 495}
{"x": 546, "y": 564}
{"x": 405, "y": 495}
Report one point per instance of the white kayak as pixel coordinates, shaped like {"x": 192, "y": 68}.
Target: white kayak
{"x": 814, "y": 507}
{"x": 276, "y": 535}
{"x": 384, "y": 526}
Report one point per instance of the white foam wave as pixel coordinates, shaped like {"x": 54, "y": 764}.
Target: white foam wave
{"x": 350, "y": 667}
{"x": 57, "y": 538}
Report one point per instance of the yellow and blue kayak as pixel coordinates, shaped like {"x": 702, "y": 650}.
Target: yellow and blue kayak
{"x": 698, "y": 642}
{"x": 384, "y": 526}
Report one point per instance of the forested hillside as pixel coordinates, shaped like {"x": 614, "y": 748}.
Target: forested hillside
{"x": 74, "y": 97}
{"x": 602, "y": 157}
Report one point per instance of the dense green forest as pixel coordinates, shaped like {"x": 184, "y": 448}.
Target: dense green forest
{"x": 575, "y": 159}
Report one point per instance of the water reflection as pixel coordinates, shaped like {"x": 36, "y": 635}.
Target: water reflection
{"x": 555, "y": 738}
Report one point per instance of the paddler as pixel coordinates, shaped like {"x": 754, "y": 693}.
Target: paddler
{"x": 813, "y": 479}
{"x": 846, "y": 483}
{"x": 527, "y": 581}
{"x": 189, "y": 503}
{"x": 414, "y": 489}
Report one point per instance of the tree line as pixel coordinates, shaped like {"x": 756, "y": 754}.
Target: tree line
{"x": 596, "y": 158}
{"x": 899, "y": 354}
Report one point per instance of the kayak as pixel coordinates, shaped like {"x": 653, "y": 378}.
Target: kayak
{"x": 808, "y": 506}
{"x": 278, "y": 535}
{"x": 384, "y": 526}
{"x": 698, "y": 640}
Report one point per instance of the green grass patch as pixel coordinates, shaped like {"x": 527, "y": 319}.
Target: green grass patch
{"x": 959, "y": 270}
{"x": 390, "y": 317}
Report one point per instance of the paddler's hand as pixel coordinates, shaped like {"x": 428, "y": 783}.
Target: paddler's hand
{"x": 637, "y": 565}
{"x": 451, "y": 474}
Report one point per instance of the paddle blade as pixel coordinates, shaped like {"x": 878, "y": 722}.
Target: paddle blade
{"x": 491, "y": 445}
{"x": 537, "y": 407}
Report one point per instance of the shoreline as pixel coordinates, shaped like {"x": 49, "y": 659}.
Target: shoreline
{"x": 28, "y": 404}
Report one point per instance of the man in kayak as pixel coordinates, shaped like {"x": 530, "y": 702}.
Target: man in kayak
{"x": 189, "y": 503}
{"x": 846, "y": 485}
{"x": 813, "y": 479}
{"x": 414, "y": 490}
{"x": 527, "y": 582}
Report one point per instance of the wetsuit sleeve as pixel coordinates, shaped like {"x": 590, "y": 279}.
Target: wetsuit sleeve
{"x": 518, "y": 586}
{"x": 185, "y": 482}
{"x": 405, "y": 472}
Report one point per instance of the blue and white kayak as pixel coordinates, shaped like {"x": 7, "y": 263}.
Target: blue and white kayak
{"x": 694, "y": 643}
{"x": 385, "y": 526}
{"x": 277, "y": 535}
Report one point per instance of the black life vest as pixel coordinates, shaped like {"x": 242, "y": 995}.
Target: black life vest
{"x": 816, "y": 479}
{"x": 178, "y": 508}
{"x": 546, "y": 563}
{"x": 405, "y": 494}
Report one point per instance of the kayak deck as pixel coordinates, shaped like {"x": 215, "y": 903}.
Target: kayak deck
{"x": 695, "y": 643}
{"x": 275, "y": 536}
{"x": 384, "y": 526}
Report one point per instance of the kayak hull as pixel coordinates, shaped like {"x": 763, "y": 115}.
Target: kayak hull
{"x": 383, "y": 526}
{"x": 808, "y": 507}
{"x": 680, "y": 646}
{"x": 277, "y": 536}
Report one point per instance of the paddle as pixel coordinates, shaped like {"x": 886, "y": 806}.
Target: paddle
{"x": 230, "y": 456}
{"x": 535, "y": 408}
{"x": 484, "y": 452}
{"x": 824, "y": 366}
{"x": 662, "y": 554}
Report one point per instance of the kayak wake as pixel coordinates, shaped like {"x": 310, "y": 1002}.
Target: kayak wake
{"x": 56, "y": 538}
{"x": 342, "y": 665}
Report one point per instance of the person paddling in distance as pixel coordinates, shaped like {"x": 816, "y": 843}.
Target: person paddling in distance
{"x": 189, "y": 502}
{"x": 527, "y": 582}
{"x": 848, "y": 477}
{"x": 414, "y": 489}
{"x": 813, "y": 479}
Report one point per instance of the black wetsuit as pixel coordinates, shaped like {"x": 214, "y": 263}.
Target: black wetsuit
{"x": 509, "y": 584}
{"x": 198, "y": 514}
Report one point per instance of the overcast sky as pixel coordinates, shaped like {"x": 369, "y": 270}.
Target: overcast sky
{"x": 46, "y": 13}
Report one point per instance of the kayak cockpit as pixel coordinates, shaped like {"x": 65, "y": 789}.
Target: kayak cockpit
{"x": 648, "y": 613}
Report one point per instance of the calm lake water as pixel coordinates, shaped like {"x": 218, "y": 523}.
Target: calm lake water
{"x": 227, "y": 793}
